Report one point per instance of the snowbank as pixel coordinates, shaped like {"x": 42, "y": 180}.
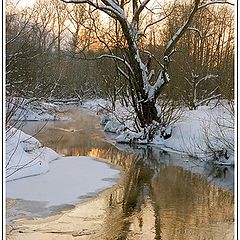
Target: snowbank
{"x": 25, "y": 156}
{"x": 33, "y": 110}
{"x": 206, "y": 133}
{"x": 37, "y": 174}
{"x": 95, "y": 104}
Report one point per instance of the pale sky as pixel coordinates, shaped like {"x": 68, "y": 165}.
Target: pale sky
{"x": 25, "y": 3}
{"x": 30, "y": 2}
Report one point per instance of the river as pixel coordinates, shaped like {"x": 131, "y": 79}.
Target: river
{"x": 160, "y": 195}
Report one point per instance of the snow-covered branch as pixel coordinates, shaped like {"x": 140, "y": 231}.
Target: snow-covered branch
{"x": 123, "y": 73}
{"x": 210, "y": 76}
{"x": 117, "y": 58}
{"x": 173, "y": 41}
{"x": 208, "y": 99}
{"x": 185, "y": 26}
{"x": 107, "y": 6}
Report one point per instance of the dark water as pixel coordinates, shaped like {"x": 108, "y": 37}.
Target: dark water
{"x": 161, "y": 195}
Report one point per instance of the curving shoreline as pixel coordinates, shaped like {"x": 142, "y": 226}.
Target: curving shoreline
{"x": 106, "y": 216}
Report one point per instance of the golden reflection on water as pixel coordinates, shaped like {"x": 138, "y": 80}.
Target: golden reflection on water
{"x": 190, "y": 207}
{"x": 165, "y": 212}
{"x": 175, "y": 205}
{"x": 169, "y": 204}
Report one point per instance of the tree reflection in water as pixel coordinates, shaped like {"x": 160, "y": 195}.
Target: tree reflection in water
{"x": 155, "y": 199}
{"x": 162, "y": 201}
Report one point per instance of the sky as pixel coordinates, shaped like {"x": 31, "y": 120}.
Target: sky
{"x": 24, "y": 3}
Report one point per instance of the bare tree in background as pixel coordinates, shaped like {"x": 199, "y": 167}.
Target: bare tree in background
{"x": 144, "y": 84}
{"x": 205, "y": 51}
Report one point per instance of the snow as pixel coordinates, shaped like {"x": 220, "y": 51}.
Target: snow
{"x": 69, "y": 179}
{"x": 187, "y": 134}
{"x": 203, "y": 133}
{"x": 25, "y": 156}
{"x": 117, "y": 8}
{"x": 152, "y": 89}
{"x": 176, "y": 35}
{"x": 45, "y": 182}
{"x": 37, "y": 173}
{"x": 94, "y": 104}
{"x": 190, "y": 135}
{"x": 34, "y": 110}
{"x": 113, "y": 126}
{"x": 131, "y": 138}
{"x": 66, "y": 178}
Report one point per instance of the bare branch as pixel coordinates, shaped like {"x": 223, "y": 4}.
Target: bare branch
{"x": 140, "y": 9}
{"x": 196, "y": 30}
{"x": 181, "y": 30}
{"x": 117, "y": 58}
{"x": 215, "y": 2}
{"x": 157, "y": 21}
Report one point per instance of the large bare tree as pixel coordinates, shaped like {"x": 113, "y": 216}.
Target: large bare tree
{"x": 144, "y": 85}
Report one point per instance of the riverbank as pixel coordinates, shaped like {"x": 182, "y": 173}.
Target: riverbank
{"x": 206, "y": 133}
{"x": 154, "y": 197}
{"x": 201, "y": 141}
{"x": 44, "y": 182}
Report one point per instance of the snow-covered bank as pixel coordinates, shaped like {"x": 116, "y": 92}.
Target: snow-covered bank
{"x": 206, "y": 133}
{"x": 43, "y": 178}
{"x": 33, "y": 110}
{"x": 25, "y": 155}
{"x": 46, "y": 182}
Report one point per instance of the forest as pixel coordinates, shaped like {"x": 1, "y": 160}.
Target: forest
{"x": 120, "y": 119}
{"x": 58, "y": 50}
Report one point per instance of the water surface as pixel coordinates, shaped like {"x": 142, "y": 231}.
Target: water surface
{"x": 160, "y": 196}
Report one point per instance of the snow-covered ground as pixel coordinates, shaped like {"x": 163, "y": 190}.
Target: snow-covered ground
{"x": 25, "y": 155}
{"x": 44, "y": 181}
{"x": 34, "y": 110}
{"x": 37, "y": 173}
{"x": 206, "y": 133}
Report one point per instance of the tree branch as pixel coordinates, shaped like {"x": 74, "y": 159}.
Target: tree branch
{"x": 117, "y": 58}
{"x": 196, "y": 30}
{"x": 181, "y": 30}
{"x": 140, "y": 9}
{"x": 108, "y": 6}
{"x": 215, "y": 2}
